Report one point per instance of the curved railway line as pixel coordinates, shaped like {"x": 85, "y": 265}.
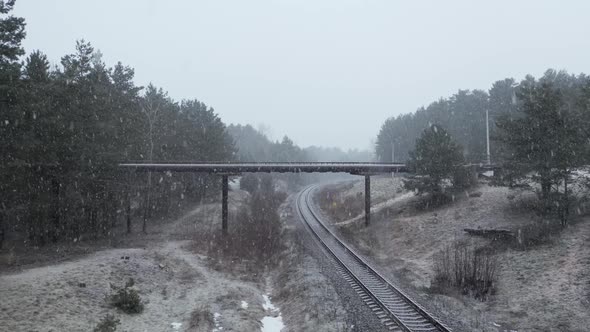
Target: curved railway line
{"x": 392, "y": 306}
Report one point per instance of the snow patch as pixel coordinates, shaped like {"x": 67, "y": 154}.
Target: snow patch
{"x": 234, "y": 184}
{"x": 176, "y": 326}
{"x": 244, "y": 305}
{"x": 267, "y": 305}
{"x": 272, "y": 323}
{"x": 218, "y": 326}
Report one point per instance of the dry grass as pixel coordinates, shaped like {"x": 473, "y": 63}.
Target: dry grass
{"x": 107, "y": 324}
{"x": 173, "y": 282}
{"x": 201, "y": 319}
{"x": 257, "y": 234}
{"x": 542, "y": 285}
{"x": 465, "y": 268}
{"x": 341, "y": 207}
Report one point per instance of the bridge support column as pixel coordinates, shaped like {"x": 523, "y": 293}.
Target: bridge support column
{"x": 224, "y": 211}
{"x": 367, "y": 199}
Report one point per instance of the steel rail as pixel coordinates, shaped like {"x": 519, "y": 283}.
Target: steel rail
{"x": 396, "y": 309}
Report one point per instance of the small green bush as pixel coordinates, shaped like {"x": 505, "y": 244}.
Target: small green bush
{"x": 107, "y": 324}
{"x": 127, "y": 298}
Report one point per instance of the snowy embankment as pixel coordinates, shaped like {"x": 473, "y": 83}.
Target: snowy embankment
{"x": 180, "y": 289}
{"x": 544, "y": 287}
{"x": 183, "y": 286}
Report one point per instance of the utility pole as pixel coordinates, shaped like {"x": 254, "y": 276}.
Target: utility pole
{"x": 392, "y": 156}
{"x": 488, "y": 136}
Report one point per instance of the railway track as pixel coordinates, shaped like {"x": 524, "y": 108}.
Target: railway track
{"x": 395, "y": 309}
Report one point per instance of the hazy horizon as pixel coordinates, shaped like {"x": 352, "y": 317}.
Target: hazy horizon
{"x": 325, "y": 74}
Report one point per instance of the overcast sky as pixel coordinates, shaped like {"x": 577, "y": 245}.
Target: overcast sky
{"x": 322, "y": 72}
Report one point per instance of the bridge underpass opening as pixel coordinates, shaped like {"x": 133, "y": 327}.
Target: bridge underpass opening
{"x": 234, "y": 169}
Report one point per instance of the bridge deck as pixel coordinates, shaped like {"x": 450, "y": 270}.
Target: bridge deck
{"x": 225, "y": 169}
{"x": 267, "y": 167}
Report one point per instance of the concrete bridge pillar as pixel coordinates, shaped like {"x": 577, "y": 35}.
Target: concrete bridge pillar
{"x": 367, "y": 199}
{"x": 224, "y": 211}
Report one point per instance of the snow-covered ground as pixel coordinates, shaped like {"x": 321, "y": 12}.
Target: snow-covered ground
{"x": 542, "y": 288}
{"x": 184, "y": 288}
{"x": 171, "y": 280}
{"x": 273, "y": 322}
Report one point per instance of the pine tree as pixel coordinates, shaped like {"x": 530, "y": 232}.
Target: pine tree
{"x": 12, "y": 32}
{"x": 547, "y": 140}
{"x": 435, "y": 158}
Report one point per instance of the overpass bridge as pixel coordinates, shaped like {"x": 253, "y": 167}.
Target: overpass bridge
{"x": 225, "y": 169}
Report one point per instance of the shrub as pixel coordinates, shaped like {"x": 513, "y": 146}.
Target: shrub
{"x": 249, "y": 182}
{"x": 127, "y": 298}
{"x": 201, "y": 318}
{"x": 341, "y": 208}
{"x": 464, "y": 177}
{"x": 466, "y": 268}
{"x": 260, "y": 227}
{"x": 536, "y": 234}
{"x": 258, "y": 232}
{"x": 429, "y": 198}
{"x": 107, "y": 324}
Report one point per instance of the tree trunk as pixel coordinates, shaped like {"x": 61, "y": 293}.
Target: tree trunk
{"x": 566, "y": 202}
{"x": 128, "y": 212}
{"x": 147, "y": 208}
{"x": 40, "y": 231}
{"x": 545, "y": 189}
{"x": 546, "y": 192}
{"x": 55, "y": 217}
{"x": 92, "y": 215}
{"x": 1, "y": 230}
{"x": 168, "y": 199}
{"x": 110, "y": 210}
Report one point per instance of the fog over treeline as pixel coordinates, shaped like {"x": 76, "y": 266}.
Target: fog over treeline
{"x": 64, "y": 129}
{"x": 253, "y": 145}
{"x": 464, "y": 115}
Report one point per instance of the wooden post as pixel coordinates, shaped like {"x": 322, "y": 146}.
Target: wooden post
{"x": 367, "y": 199}
{"x": 224, "y": 204}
